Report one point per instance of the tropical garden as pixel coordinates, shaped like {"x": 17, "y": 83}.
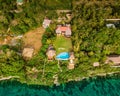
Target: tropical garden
{"x": 92, "y": 41}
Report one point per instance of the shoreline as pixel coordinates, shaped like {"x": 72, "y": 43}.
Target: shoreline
{"x": 98, "y": 75}
{"x": 77, "y": 79}
{"x": 8, "y": 78}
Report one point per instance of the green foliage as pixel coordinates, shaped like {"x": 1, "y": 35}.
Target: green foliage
{"x": 11, "y": 64}
{"x": 4, "y": 47}
{"x": 57, "y": 4}
{"x": 91, "y": 38}
{"x": 20, "y": 19}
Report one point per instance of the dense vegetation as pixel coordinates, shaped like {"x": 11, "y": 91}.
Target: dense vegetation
{"x": 20, "y": 19}
{"x": 92, "y": 40}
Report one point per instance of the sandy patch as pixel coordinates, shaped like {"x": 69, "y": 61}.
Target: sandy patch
{"x": 33, "y": 39}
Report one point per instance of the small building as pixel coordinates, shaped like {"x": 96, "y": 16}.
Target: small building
{"x": 64, "y": 30}
{"x": 72, "y": 57}
{"x": 110, "y": 25}
{"x": 19, "y": 2}
{"x": 71, "y": 63}
{"x": 113, "y": 59}
{"x": 51, "y": 53}
{"x": 96, "y": 64}
{"x": 27, "y": 53}
{"x": 46, "y": 22}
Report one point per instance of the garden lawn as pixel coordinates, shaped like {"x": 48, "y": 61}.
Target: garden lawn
{"x": 62, "y": 44}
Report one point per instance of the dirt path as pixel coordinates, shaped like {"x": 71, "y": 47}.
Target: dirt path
{"x": 33, "y": 38}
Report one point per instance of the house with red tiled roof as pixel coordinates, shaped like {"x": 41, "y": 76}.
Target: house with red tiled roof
{"x": 64, "y": 30}
{"x": 46, "y": 22}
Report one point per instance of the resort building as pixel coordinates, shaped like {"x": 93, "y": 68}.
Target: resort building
{"x": 27, "y": 53}
{"x": 46, "y": 22}
{"x": 51, "y": 53}
{"x": 19, "y": 2}
{"x": 64, "y": 30}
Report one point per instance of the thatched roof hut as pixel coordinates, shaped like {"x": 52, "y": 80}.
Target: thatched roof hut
{"x": 51, "y": 53}
{"x": 27, "y": 53}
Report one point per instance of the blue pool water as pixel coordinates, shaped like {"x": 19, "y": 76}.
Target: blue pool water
{"x": 63, "y": 56}
{"x": 92, "y": 87}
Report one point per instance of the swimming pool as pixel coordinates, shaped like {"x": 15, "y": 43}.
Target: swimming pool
{"x": 63, "y": 56}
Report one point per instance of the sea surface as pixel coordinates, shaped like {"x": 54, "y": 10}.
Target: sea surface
{"x": 97, "y": 86}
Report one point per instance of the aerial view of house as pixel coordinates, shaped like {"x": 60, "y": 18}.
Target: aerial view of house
{"x": 64, "y": 30}
{"x": 59, "y": 47}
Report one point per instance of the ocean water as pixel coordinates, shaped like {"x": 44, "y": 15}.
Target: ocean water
{"x": 99, "y": 86}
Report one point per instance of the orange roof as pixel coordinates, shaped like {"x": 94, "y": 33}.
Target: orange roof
{"x": 63, "y": 28}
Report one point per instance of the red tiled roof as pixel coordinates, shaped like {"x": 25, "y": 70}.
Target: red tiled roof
{"x": 63, "y": 28}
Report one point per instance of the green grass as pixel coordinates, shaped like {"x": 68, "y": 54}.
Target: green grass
{"x": 62, "y": 44}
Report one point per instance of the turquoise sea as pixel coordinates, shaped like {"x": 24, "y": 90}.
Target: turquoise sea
{"x": 99, "y": 86}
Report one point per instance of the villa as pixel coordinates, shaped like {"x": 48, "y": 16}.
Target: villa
{"x": 64, "y": 30}
{"x": 46, "y": 23}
